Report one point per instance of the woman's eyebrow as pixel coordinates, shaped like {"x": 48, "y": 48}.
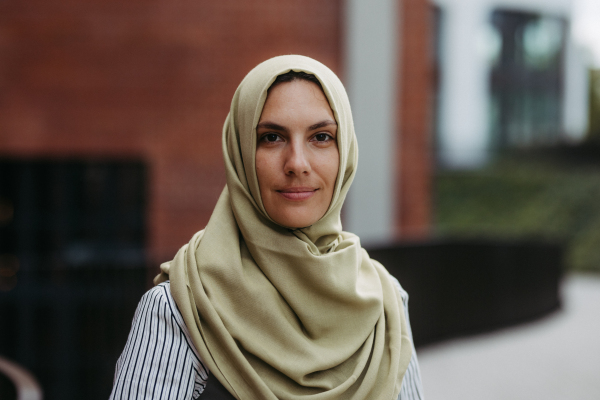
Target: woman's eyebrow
{"x": 277, "y": 127}
{"x": 322, "y": 124}
{"x": 271, "y": 125}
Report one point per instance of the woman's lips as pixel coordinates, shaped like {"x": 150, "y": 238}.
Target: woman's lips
{"x": 297, "y": 193}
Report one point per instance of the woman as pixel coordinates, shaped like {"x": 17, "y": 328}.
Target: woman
{"x": 272, "y": 297}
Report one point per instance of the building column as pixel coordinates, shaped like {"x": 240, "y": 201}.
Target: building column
{"x": 464, "y": 131}
{"x": 371, "y": 79}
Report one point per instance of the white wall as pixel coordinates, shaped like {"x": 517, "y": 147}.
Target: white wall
{"x": 576, "y": 100}
{"x": 463, "y": 124}
{"x": 371, "y": 81}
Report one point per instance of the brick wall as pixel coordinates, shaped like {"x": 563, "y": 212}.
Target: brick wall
{"x": 146, "y": 79}
{"x": 414, "y": 165}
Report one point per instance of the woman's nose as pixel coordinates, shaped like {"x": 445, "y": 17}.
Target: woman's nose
{"x": 297, "y": 162}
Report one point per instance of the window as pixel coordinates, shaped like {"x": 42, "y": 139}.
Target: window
{"x": 526, "y": 79}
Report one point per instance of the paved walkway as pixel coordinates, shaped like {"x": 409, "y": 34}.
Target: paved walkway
{"x": 557, "y": 357}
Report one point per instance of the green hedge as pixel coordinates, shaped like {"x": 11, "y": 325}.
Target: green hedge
{"x": 525, "y": 196}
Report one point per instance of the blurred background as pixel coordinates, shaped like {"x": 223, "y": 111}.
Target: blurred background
{"x": 479, "y": 131}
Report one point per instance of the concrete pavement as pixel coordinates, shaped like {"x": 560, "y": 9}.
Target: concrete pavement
{"x": 557, "y": 357}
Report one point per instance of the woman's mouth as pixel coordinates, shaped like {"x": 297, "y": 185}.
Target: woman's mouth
{"x": 297, "y": 193}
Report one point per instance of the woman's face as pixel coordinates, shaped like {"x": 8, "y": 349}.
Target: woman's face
{"x": 297, "y": 158}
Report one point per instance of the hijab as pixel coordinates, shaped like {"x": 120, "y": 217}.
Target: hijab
{"x": 280, "y": 313}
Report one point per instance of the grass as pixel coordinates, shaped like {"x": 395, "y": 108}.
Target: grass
{"x": 546, "y": 196}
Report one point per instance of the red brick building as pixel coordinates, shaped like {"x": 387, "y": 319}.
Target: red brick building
{"x": 153, "y": 81}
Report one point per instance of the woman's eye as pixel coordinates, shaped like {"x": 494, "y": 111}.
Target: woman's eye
{"x": 270, "y": 137}
{"x": 322, "y": 137}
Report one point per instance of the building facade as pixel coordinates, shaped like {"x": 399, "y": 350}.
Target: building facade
{"x": 510, "y": 76}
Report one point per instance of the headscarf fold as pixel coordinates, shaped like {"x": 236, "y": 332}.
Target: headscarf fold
{"x": 280, "y": 313}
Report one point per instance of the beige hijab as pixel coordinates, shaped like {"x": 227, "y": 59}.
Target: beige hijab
{"x": 277, "y": 313}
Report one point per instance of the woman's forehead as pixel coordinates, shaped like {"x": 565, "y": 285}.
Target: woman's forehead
{"x": 293, "y": 97}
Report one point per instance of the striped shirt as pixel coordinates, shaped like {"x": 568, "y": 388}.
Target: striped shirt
{"x": 160, "y": 362}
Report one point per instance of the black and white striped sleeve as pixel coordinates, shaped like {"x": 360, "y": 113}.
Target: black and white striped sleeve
{"x": 412, "y": 388}
{"x": 159, "y": 360}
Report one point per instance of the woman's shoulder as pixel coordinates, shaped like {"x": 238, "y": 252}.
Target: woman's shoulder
{"x": 403, "y": 293}
{"x": 393, "y": 279}
{"x": 159, "y": 297}
{"x": 159, "y": 302}
{"x": 159, "y": 352}
{"x": 396, "y": 282}
{"x": 159, "y": 291}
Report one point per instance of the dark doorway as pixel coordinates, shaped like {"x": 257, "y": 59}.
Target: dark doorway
{"x": 72, "y": 268}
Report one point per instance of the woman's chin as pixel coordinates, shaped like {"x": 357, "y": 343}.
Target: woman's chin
{"x": 297, "y": 212}
{"x": 296, "y": 220}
